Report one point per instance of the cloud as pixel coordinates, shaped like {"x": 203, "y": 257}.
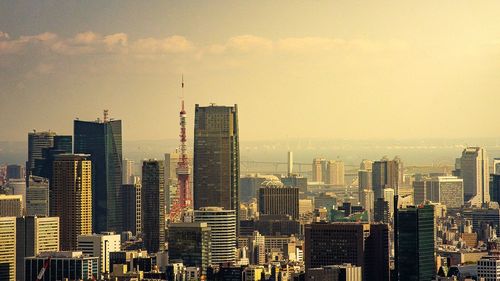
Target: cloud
{"x": 247, "y": 43}
{"x": 173, "y": 44}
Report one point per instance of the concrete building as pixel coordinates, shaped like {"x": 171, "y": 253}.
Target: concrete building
{"x": 132, "y": 210}
{"x": 100, "y": 245}
{"x": 34, "y": 236}
{"x": 359, "y": 244}
{"x": 474, "y": 170}
{"x": 216, "y": 171}
{"x": 37, "y": 197}
{"x": 191, "y": 243}
{"x": 223, "y": 232}
{"x": 317, "y": 169}
{"x": 63, "y": 266}
{"x": 8, "y": 248}
{"x": 127, "y": 171}
{"x": 386, "y": 174}
{"x": 153, "y": 205}
{"x": 11, "y": 205}
{"x": 364, "y": 181}
{"x": 277, "y": 199}
{"x": 72, "y": 190}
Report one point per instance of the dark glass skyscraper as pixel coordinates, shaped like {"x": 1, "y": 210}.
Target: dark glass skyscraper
{"x": 103, "y": 141}
{"x": 216, "y": 157}
{"x": 415, "y": 243}
{"x": 153, "y": 205}
{"x": 37, "y": 141}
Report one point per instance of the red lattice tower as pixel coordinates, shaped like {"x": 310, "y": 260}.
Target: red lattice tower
{"x": 183, "y": 170}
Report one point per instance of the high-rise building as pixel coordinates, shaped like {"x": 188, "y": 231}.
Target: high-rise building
{"x": 128, "y": 171}
{"x": 475, "y": 173}
{"x": 11, "y": 205}
{"x": 368, "y": 201}
{"x": 103, "y": 141}
{"x": 34, "y": 236}
{"x": 18, "y": 187}
{"x": 72, "y": 188}
{"x": 366, "y": 165}
{"x": 496, "y": 166}
{"x": 153, "y": 205}
{"x": 216, "y": 157}
{"x": 43, "y": 166}
{"x": 448, "y": 191}
{"x": 344, "y": 272}
{"x": 495, "y": 187}
{"x": 63, "y": 266}
{"x": 37, "y": 197}
{"x": 295, "y": 180}
{"x": 37, "y": 141}
{"x": 420, "y": 191}
{"x": 277, "y": 199}
{"x": 132, "y": 202}
{"x": 257, "y": 248}
{"x": 381, "y": 211}
{"x": 364, "y": 181}
{"x": 14, "y": 172}
{"x": 223, "y": 232}
{"x": 8, "y": 248}
{"x": 414, "y": 231}
{"x": 335, "y": 173}
{"x": 100, "y": 245}
{"x": 360, "y": 244}
{"x": 190, "y": 243}
{"x": 386, "y": 174}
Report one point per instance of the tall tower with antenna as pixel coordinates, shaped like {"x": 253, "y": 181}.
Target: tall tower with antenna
{"x": 183, "y": 169}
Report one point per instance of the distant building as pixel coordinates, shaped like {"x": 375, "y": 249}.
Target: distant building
{"x": 364, "y": 180}
{"x": 382, "y": 211}
{"x": 277, "y": 199}
{"x": 448, "y": 191}
{"x": 8, "y": 249}
{"x": 72, "y": 189}
{"x": 43, "y": 166}
{"x": 420, "y": 191}
{"x": 481, "y": 217}
{"x": 132, "y": 210}
{"x": 496, "y": 166}
{"x": 335, "y": 173}
{"x": 127, "y": 171}
{"x": 18, "y": 187}
{"x": 191, "y": 243}
{"x": 153, "y": 205}
{"x": 14, "y": 172}
{"x": 37, "y": 197}
{"x": 475, "y": 174}
{"x": 223, "y": 232}
{"x": 495, "y": 187}
{"x": 295, "y": 180}
{"x": 63, "y": 266}
{"x": 100, "y": 245}
{"x": 415, "y": 243}
{"x": 35, "y": 235}
{"x": 319, "y": 167}
{"x": 359, "y": 244}
{"x": 386, "y": 174}
{"x": 37, "y": 141}
{"x": 102, "y": 139}
{"x": 11, "y": 205}
{"x": 216, "y": 171}
{"x": 250, "y": 184}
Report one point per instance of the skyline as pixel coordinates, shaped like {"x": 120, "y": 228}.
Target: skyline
{"x": 322, "y": 70}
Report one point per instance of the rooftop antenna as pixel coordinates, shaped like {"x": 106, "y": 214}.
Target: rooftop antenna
{"x": 106, "y": 115}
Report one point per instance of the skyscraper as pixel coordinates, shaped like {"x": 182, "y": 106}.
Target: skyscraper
{"x": 386, "y": 173}
{"x": 103, "y": 141}
{"x": 72, "y": 188}
{"x": 128, "y": 171}
{"x": 448, "y": 191}
{"x": 317, "y": 169}
{"x": 360, "y": 244}
{"x": 14, "y": 172}
{"x": 216, "y": 157}
{"x": 475, "y": 173}
{"x": 37, "y": 141}
{"x": 44, "y": 165}
{"x": 8, "y": 248}
{"x": 223, "y": 232}
{"x": 153, "y": 205}
{"x": 415, "y": 243}
{"x": 131, "y": 196}
{"x": 34, "y": 236}
{"x": 335, "y": 173}
{"x": 37, "y": 197}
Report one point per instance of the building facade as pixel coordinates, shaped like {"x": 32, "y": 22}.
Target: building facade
{"x": 132, "y": 210}
{"x": 63, "y": 266}
{"x": 190, "y": 243}
{"x": 8, "y": 248}
{"x": 474, "y": 170}
{"x": 37, "y": 197}
{"x": 100, "y": 245}
{"x": 276, "y": 199}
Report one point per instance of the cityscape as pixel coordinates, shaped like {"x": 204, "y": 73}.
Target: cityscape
{"x": 337, "y": 145}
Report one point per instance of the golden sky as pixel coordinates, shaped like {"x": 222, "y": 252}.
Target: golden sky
{"x": 296, "y": 69}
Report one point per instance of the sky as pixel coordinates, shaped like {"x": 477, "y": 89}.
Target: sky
{"x": 297, "y": 69}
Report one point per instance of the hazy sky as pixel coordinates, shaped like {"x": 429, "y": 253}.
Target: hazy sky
{"x": 312, "y": 69}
